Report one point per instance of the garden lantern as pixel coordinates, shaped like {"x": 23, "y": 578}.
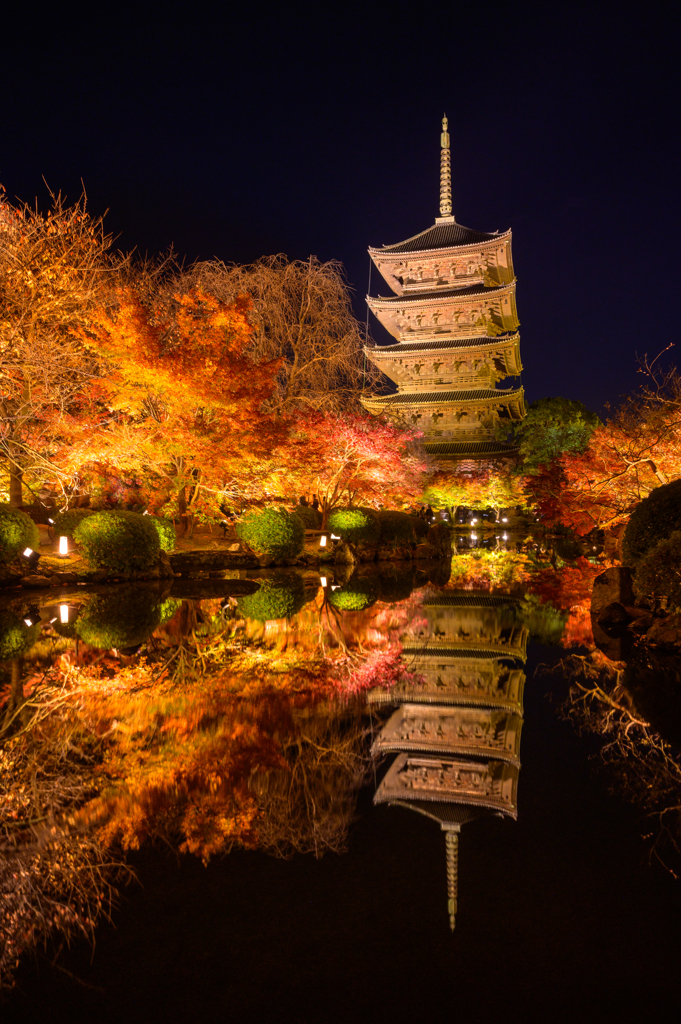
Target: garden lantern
{"x": 322, "y": 580}
{"x": 63, "y": 614}
{"x": 322, "y": 541}
{"x": 32, "y": 616}
{"x": 63, "y": 547}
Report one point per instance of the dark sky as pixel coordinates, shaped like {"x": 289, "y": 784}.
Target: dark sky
{"x": 238, "y": 131}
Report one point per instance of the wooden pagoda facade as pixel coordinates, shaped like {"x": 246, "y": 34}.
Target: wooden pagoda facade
{"x": 454, "y": 320}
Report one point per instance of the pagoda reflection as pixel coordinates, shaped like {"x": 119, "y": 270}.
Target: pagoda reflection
{"x": 456, "y": 732}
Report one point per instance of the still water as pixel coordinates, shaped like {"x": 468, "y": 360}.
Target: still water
{"x": 375, "y": 798}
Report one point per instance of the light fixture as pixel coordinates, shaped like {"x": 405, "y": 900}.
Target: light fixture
{"x": 505, "y": 537}
{"x": 63, "y": 614}
{"x": 334, "y": 537}
{"x": 474, "y": 521}
{"x": 63, "y": 547}
{"x": 31, "y": 556}
{"x": 32, "y": 616}
{"x": 335, "y": 586}
{"x": 504, "y": 520}
{"x": 322, "y": 580}
{"x": 50, "y": 520}
{"x": 474, "y": 536}
{"x": 322, "y": 541}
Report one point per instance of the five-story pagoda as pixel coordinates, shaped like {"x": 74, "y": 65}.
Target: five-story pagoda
{"x": 454, "y": 318}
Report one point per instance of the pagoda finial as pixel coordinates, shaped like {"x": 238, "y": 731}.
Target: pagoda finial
{"x": 452, "y": 841}
{"x": 445, "y": 173}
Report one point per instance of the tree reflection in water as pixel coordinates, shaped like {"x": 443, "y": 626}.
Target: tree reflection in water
{"x": 205, "y": 723}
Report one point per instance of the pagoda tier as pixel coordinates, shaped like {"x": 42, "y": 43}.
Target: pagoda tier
{"x": 473, "y": 362}
{"x": 470, "y": 679}
{"x": 455, "y": 322}
{"x": 449, "y": 312}
{"x": 464, "y": 416}
{"x": 490, "y": 784}
{"x": 445, "y": 255}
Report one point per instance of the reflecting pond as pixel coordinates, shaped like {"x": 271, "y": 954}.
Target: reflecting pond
{"x": 329, "y": 795}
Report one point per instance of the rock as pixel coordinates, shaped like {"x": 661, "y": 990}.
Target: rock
{"x": 165, "y": 567}
{"x": 439, "y": 535}
{"x": 666, "y": 631}
{"x": 367, "y": 554}
{"x": 614, "y": 614}
{"x": 35, "y": 581}
{"x": 613, "y": 585}
{"x": 345, "y": 554}
{"x": 204, "y": 561}
{"x": 234, "y": 547}
{"x": 65, "y": 578}
{"x": 426, "y": 550}
{"x": 642, "y": 624}
{"x": 615, "y": 648}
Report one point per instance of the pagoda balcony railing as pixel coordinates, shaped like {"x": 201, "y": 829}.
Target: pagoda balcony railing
{"x": 446, "y": 331}
{"x": 466, "y": 381}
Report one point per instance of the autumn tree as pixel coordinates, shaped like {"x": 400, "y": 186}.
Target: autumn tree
{"x": 349, "y": 459}
{"x": 52, "y": 267}
{"x": 301, "y": 315}
{"x": 180, "y": 404}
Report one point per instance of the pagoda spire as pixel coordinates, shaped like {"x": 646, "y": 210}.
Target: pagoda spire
{"x": 445, "y": 173}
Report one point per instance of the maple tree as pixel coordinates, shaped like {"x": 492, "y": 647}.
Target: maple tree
{"x": 349, "y": 459}
{"x": 52, "y": 270}
{"x": 180, "y": 404}
{"x": 483, "y": 488}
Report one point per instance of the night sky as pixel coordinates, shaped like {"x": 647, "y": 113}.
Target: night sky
{"x": 239, "y": 131}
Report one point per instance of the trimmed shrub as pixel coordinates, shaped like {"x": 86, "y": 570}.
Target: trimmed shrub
{"x": 653, "y": 519}
{"x": 276, "y": 599}
{"x": 311, "y": 518}
{"x": 15, "y": 636}
{"x": 354, "y": 596}
{"x": 166, "y": 532}
{"x": 17, "y": 531}
{"x": 66, "y": 522}
{"x": 274, "y": 532}
{"x": 401, "y": 528}
{"x": 658, "y": 574}
{"x": 122, "y": 541}
{"x": 355, "y": 525}
{"x": 118, "y": 620}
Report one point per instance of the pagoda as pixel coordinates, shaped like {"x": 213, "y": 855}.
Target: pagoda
{"x": 454, "y": 319}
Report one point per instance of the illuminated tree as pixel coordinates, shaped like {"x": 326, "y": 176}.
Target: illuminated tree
{"x": 52, "y": 268}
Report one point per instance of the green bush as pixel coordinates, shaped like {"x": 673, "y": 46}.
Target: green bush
{"x": 118, "y": 620}
{"x": 166, "y": 532}
{"x": 355, "y": 595}
{"x": 66, "y": 522}
{"x": 15, "y": 636}
{"x": 653, "y": 519}
{"x": 401, "y": 528}
{"x": 356, "y": 525}
{"x": 276, "y": 599}
{"x": 274, "y": 532}
{"x": 311, "y": 518}
{"x": 658, "y": 574}
{"x": 17, "y": 531}
{"x": 122, "y": 541}
{"x": 168, "y": 609}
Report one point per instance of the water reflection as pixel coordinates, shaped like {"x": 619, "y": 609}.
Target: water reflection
{"x": 459, "y": 727}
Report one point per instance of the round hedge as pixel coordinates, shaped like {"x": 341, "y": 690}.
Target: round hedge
{"x": 355, "y": 595}
{"x": 653, "y": 519}
{"x": 276, "y": 599}
{"x": 166, "y": 532}
{"x": 66, "y": 522}
{"x": 356, "y": 525}
{"x": 17, "y": 531}
{"x": 274, "y": 532}
{"x": 401, "y": 528}
{"x": 15, "y": 636}
{"x": 122, "y": 541}
{"x": 658, "y": 574}
{"x": 118, "y": 620}
{"x": 311, "y": 518}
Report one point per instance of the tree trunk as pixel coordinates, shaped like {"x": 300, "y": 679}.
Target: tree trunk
{"x": 182, "y": 509}
{"x": 15, "y": 488}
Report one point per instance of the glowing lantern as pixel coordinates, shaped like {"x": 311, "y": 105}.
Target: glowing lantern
{"x": 322, "y": 580}
{"x": 322, "y": 541}
{"x": 63, "y": 547}
{"x": 63, "y": 613}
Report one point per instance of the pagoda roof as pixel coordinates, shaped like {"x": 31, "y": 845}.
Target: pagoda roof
{"x": 470, "y": 599}
{"x": 471, "y": 449}
{"x": 475, "y": 341}
{"x": 464, "y": 395}
{"x": 492, "y": 652}
{"x": 445, "y": 235}
{"x": 438, "y": 294}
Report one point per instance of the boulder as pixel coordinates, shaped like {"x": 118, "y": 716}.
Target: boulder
{"x": 345, "y": 554}
{"x": 612, "y": 586}
{"x": 426, "y": 551}
{"x": 614, "y": 614}
{"x": 439, "y": 535}
{"x": 204, "y": 561}
{"x": 641, "y": 624}
{"x": 35, "y": 581}
{"x": 666, "y": 631}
